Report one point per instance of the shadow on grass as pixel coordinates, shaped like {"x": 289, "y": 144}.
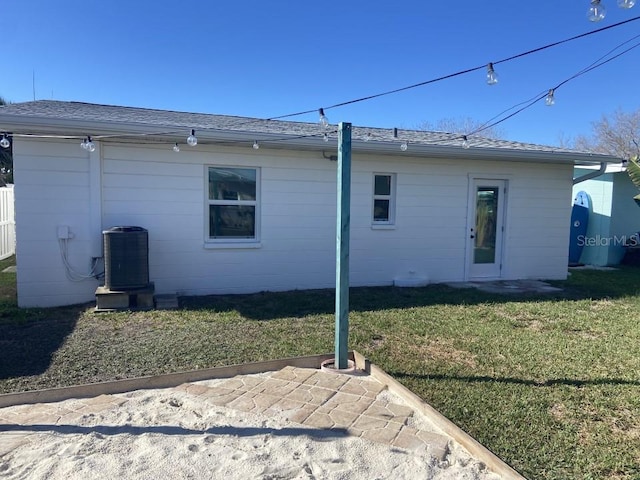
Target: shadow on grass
{"x": 518, "y": 381}
{"x": 29, "y": 339}
{"x": 171, "y": 430}
{"x": 587, "y": 284}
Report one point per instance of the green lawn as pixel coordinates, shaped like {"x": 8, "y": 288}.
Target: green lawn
{"x": 550, "y": 384}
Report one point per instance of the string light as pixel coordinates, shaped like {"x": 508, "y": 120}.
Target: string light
{"x": 404, "y": 146}
{"x": 465, "y": 142}
{"x": 325, "y": 137}
{"x": 4, "y": 143}
{"x": 444, "y": 77}
{"x": 604, "y": 59}
{"x": 324, "y": 121}
{"x": 176, "y": 147}
{"x": 192, "y": 140}
{"x": 455, "y": 74}
{"x": 256, "y": 145}
{"x": 492, "y": 76}
{"x": 367, "y": 137}
{"x": 550, "y": 99}
{"x": 88, "y": 145}
{"x": 596, "y": 11}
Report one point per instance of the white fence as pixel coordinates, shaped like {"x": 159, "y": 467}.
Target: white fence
{"x": 7, "y": 223}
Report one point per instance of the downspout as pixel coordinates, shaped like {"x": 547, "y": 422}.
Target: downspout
{"x": 590, "y": 175}
{"x": 95, "y": 201}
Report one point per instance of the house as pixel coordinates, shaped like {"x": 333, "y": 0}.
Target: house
{"x": 613, "y": 218}
{"x": 223, "y": 217}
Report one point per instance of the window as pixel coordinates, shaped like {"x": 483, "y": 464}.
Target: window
{"x": 233, "y": 203}
{"x": 383, "y": 198}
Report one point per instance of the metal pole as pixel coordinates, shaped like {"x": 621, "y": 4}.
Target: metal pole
{"x": 342, "y": 244}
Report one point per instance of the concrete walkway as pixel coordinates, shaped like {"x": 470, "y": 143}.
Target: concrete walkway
{"x": 509, "y": 286}
{"x": 355, "y": 404}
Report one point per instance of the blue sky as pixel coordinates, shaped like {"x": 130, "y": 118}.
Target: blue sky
{"x": 270, "y": 58}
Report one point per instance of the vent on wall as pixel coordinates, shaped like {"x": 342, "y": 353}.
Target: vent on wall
{"x": 126, "y": 258}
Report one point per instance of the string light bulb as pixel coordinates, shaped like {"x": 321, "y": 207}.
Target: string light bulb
{"x": 596, "y": 11}
{"x": 192, "y": 140}
{"x": 367, "y": 137}
{"x": 324, "y": 121}
{"x": 492, "y": 76}
{"x": 550, "y": 100}
{"x": 4, "y": 143}
{"x": 176, "y": 147}
{"x": 465, "y": 142}
{"x": 256, "y": 145}
{"x": 626, "y": 3}
{"x": 404, "y": 146}
{"x": 88, "y": 145}
{"x": 325, "y": 137}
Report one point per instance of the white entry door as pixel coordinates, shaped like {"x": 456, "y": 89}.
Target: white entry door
{"x": 487, "y": 201}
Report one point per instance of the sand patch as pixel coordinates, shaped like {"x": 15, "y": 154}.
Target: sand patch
{"x": 179, "y": 433}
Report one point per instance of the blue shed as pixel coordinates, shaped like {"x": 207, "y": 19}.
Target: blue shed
{"x": 614, "y": 215}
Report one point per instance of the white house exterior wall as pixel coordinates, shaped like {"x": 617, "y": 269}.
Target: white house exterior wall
{"x": 164, "y": 192}
{"x": 52, "y": 189}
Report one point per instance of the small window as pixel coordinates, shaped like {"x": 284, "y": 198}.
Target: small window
{"x": 232, "y": 203}
{"x": 383, "y": 199}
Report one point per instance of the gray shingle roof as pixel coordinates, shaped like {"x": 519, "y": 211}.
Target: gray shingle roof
{"x": 164, "y": 120}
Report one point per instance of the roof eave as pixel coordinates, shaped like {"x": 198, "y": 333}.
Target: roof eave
{"x": 454, "y": 152}
{"x": 81, "y": 127}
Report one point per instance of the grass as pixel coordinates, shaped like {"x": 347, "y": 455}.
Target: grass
{"x": 550, "y": 384}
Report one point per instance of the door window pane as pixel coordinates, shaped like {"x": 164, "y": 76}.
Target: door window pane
{"x": 486, "y": 224}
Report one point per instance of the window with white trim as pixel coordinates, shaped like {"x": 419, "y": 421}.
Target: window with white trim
{"x": 233, "y": 204}
{"x": 384, "y": 186}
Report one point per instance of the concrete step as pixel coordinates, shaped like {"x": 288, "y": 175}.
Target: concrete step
{"x": 108, "y": 300}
